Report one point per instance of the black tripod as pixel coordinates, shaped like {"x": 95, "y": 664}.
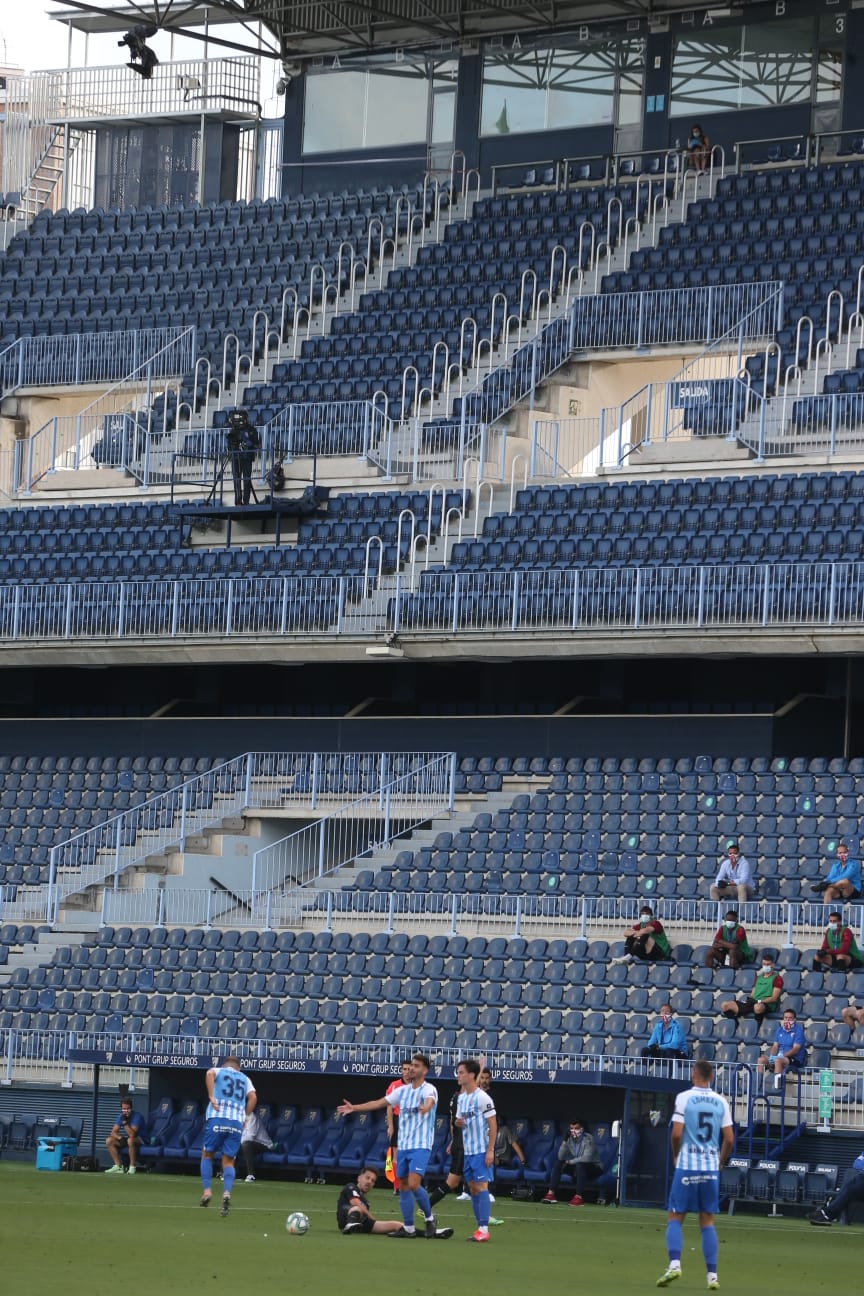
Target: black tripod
{"x": 241, "y": 463}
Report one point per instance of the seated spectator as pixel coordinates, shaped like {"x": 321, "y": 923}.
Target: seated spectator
{"x": 765, "y": 996}
{"x": 577, "y": 1156}
{"x": 667, "y": 1039}
{"x": 853, "y": 1016}
{"x": 506, "y": 1147}
{"x": 125, "y": 1132}
{"x": 698, "y": 148}
{"x": 839, "y": 952}
{"x": 730, "y": 947}
{"x": 844, "y": 878}
{"x": 646, "y": 939}
{"x": 788, "y": 1050}
{"x": 852, "y": 1190}
{"x": 734, "y": 877}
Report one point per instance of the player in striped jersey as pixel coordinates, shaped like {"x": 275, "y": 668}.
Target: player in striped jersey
{"x": 475, "y": 1116}
{"x": 701, "y": 1140}
{"x": 231, "y": 1097}
{"x": 417, "y": 1103}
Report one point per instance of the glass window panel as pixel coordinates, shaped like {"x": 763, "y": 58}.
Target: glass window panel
{"x": 396, "y": 107}
{"x": 747, "y": 67}
{"x": 335, "y": 112}
{"x": 511, "y": 102}
{"x": 630, "y": 99}
{"x": 355, "y": 108}
{"x": 551, "y": 89}
{"x": 829, "y": 75}
{"x": 443, "y": 116}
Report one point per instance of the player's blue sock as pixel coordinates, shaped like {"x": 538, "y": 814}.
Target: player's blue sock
{"x": 406, "y": 1205}
{"x": 480, "y": 1202}
{"x": 207, "y": 1173}
{"x": 710, "y": 1247}
{"x": 228, "y": 1175}
{"x": 674, "y": 1239}
{"x": 421, "y": 1197}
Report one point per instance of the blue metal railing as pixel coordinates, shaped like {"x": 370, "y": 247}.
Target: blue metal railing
{"x": 753, "y": 596}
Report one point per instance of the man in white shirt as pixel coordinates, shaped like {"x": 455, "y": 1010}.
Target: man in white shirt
{"x": 734, "y": 877}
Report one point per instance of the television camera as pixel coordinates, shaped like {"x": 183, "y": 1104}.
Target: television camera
{"x": 142, "y": 58}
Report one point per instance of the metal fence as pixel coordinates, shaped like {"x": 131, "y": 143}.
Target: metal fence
{"x": 728, "y": 317}
{"x": 66, "y": 360}
{"x": 783, "y": 924}
{"x": 830, "y": 424}
{"x": 356, "y": 429}
{"x": 175, "y": 89}
{"x": 672, "y": 316}
{"x": 297, "y": 782}
{"x": 357, "y": 829}
{"x": 29, "y": 1056}
{"x": 113, "y": 431}
{"x": 588, "y": 600}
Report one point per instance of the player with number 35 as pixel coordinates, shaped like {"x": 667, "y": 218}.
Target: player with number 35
{"x": 232, "y": 1098}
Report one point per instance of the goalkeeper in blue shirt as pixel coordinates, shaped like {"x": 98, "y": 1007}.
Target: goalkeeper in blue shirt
{"x": 701, "y": 1140}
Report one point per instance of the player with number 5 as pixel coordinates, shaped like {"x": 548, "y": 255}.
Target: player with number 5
{"x": 701, "y": 1140}
{"x": 232, "y": 1098}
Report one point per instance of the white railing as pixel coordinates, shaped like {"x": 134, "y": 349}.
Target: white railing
{"x": 732, "y": 315}
{"x": 672, "y": 316}
{"x": 563, "y": 601}
{"x": 72, "y": 359}
{"x": 60, "y": 1056}
{"x": 359, "y": 429}
{"x": 295, "y": 782}
{"x": 404, "y": 800}
{"x": 780, "y": 923}
{"x": 114, "y": 430}
{"x": 189, "y": 87}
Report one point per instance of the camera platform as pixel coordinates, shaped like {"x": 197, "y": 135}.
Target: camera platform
{"x": 311, "y": 501}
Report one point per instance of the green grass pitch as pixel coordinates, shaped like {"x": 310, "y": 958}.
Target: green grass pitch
{"x": 95, "y": 1235}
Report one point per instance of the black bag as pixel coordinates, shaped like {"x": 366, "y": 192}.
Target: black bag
{"x": 523, "y": 1192}
{"x": 81, "y": 1163}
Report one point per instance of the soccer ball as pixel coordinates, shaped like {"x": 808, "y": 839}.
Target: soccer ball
{"x": 297, "y": 1223}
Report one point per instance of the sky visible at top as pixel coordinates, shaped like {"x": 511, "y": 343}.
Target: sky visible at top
{"x": 30, "y": 40}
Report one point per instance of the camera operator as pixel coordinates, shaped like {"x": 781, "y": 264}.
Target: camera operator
{"x": 243, "y": 443}
{"x": 126, "y": 1129}
{"x": 143, "y": 60}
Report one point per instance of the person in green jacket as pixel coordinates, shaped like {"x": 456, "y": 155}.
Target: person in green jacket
{"x": 839, "y": 952}
{"x": 764, "y": 998}
{"x": 730, "y": 945}
{"x": 646, "y": 939}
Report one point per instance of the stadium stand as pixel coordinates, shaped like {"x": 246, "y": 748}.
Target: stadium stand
{"x": 586, "y": 839}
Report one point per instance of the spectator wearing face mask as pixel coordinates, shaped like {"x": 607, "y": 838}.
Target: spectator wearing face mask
{"x": 730, "y": 945}
{"x": 788, "y": 1050}
{"x": 698, "y": 148}
{"x": 839, "y": 952}
{"x": 844, "y": 878}
{"x": 667, "y": 1039}
{"x": 577, "y": 1156}
{"x": 764, "y": 998}
{"x": 646, "y": 939}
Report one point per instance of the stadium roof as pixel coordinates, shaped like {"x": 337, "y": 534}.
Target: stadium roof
{"x": 306, "y": 27}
